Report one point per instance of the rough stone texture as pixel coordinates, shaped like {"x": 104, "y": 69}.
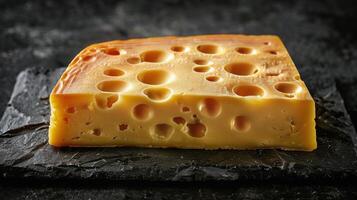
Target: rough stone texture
{"x": 319, "y": 35}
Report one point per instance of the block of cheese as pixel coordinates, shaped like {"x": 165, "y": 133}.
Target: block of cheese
{"x": 200, "y": 92}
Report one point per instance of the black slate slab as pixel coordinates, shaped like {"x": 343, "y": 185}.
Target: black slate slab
{"x": 24, "y": 151}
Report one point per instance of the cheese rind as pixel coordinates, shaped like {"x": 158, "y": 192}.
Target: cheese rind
{"x": 201, "y": 92}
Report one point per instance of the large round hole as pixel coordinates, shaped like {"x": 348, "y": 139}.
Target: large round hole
{"x": 245, "y": 50}
{"x": 158, "y": 94}
{"x": 287, "y": 88}
{"x": 178, "y": 48}
{"x": 154, "y": 76}
{"x": 209, "y": 49}
{"x": 133, "y": 60}
{"x": 248, "y": 90}
{"x": 162, "y": 131}
{"x": 113, "y": 72}
{"x": 142, "y": 112}
{"x": 213, "y": 78}
{"x": 154, "y": 56}
{"x": 210, "y": 107}
{"x": 112, "y": 51}
{"x": 202, "y": 62}
{"x": 202, "y": 69}
{"x": 241, "y": 123}
{"x": 241, "y": 68}
{"x": 113, "y": 86}
{"x": 196, "y": 129}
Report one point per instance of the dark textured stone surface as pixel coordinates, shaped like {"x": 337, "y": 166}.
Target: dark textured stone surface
{"x": 189, "y": 191}
{"x": 319, "y": 35}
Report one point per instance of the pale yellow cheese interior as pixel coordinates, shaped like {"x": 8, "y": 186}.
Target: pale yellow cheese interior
{"x": 207, "y": 92}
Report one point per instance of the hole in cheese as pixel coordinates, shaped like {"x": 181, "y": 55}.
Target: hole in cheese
{"x": 133, "y": 60}
{"x": 111, "y": 51}
{"x": 209, "y": 49}
{"x": 297, "y": 77}
{"x": 162, "y": 131}
{"x": 178, "y": 48}
{"x": 241, "y": 123}
{"x": 210, "y": 107}
{"x": 111, "y": 100}
{"x": 213, "y": 78}
{"x": 248, "y": 90}
{"x": 158, "y": 94}
{"x": 267, "y": 43}
{"x": 245, "y": 50}
{"x": 202, "y": 62}
{"x": 202, "y": 69}
{"x": 71, "y": 110}
{"x": 113, "y": 72}
{"x": 273, "y": 52}
{"x": 88, "y": 58}
{"x": 241, "y": 68}
{"x": 287, "y": 88}
{"x": 96, "y": 132}
{"x": 196, "y": 129}
{"x": 154, "y": 56}
{"x": 142, "y": 112}
{"x": 185, "y": 109}
{"x": 113, "y": 86}
{"x": 123, "y": 127}
{"x": 154, "y": 76}
{"x": 179, "y": 120}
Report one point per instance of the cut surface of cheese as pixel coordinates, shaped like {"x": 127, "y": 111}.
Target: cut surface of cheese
{"x": 201, "y": 92}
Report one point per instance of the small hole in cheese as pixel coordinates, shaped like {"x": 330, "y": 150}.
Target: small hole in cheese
{"x": 248, "y": 90}
{"x": 241, "y": 123}
{"x": 113, "y": 72}
{"x": 71, "y": 110}
{"x": 155, "y": 76}
{"x": 287, "y": 88}
{"x": 111, "y": 100}
{"x": 133, "y": 60}
{"x": 154, "y": 56}
{"x": 178, "y": 48}
{"x": 88, "y": 58}
{"x": 158, "y": 93}
{"x": 197, "y": 129}
{"x": 162, "y": 131}
{"x": 245, "y": 50}
{"x": 209, "y": 49}
{"x": 123, "y": 127}
{"x": 210, "y": 107}
{"x": 179, "y": 120}
{"x": 202, "y": 69}
{"x": 111, "y": 51}
{"x": 96, "y": 132}
{"x": 113, "y": 86}
{"x": 202, "y": 62}
{"x": 142, "y": 112}
{"x": 104, "y": 101}
{"x": 213, "y": 78}
{"x": 185, "y": 109}
{"x": 267, "y": 43}
{"x": 273, "y": 52}
{"x": 241, "y": 68}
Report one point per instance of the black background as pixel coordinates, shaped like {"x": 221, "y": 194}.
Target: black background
{"x": 50, "y": 33}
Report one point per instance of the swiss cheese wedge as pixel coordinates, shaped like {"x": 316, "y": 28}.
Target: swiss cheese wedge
{"x": 201, "y": 92}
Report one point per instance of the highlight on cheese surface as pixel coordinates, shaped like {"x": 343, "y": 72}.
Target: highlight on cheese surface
{"x": 201, "y": 92}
